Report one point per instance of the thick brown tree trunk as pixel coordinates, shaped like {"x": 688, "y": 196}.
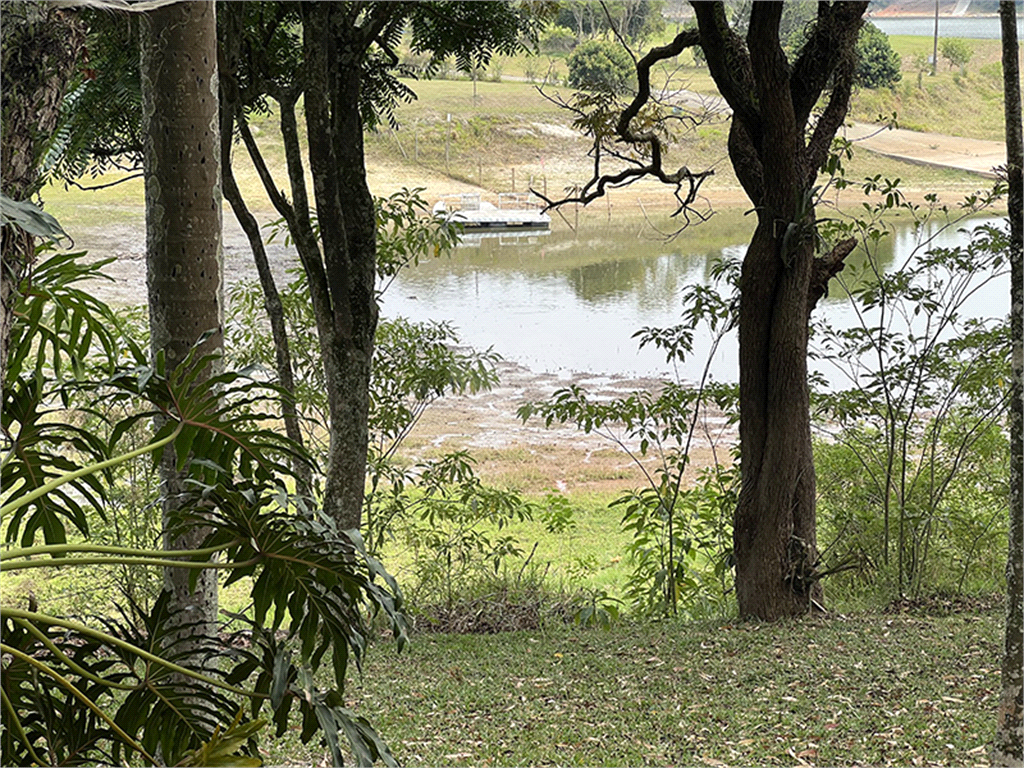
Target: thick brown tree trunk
{"x": 774, "y": 526}
{"x": 776, "y": 158}
{"x": 348, "y": 237}
{"x": 39, "y": 45}
{"x": 183, "y": 230}
{"x": 1009, "y": 742}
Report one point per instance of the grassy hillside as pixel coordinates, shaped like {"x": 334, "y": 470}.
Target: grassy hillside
{"x": 969, "y": 105}
{"x": 508, "y": 134}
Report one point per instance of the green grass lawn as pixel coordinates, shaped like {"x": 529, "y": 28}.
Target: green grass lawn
{"x": 969, "y": 105}
{"x": 872, "y": 689}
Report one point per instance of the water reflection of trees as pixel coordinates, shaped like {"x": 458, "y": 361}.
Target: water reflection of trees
{"x": 614, "y": 264}
{"x": 652, "y": 279}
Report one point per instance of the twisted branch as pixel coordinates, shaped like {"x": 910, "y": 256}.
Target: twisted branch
{"x": 599, "y": 183}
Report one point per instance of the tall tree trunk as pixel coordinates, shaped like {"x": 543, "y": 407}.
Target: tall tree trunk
{"x": 1009, "y": 742}
{"x": 777, "y": 161}
{"x": 40, "y": 46}
{"x": 183, "y": 231}
{"x": 333, "y": 57}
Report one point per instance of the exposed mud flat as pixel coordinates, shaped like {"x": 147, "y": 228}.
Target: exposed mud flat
{"x": 531, "y": 456}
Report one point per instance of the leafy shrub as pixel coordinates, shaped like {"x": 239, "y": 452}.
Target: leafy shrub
{"x": 682, "y": 541}
{"x": 556, "y": 39}
{"x": 954, "y": 533}
{"x": 685, "y": 560}
{"x": 916, "y": 480}
{"x": 122, "y": 687}
{"x": 601, "y": 65}
{"x": 957, "y": 52}
{"x": 878, "y": 65}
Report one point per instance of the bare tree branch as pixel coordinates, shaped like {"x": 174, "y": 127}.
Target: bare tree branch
{"x": 686, "y": 182}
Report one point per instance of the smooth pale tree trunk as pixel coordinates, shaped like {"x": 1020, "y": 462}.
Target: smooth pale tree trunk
{"x": 40, "y": 48}
{"x": 183, "y": 231}
{"x": 776, "y": 160}
{"x": 1009, "y": 742}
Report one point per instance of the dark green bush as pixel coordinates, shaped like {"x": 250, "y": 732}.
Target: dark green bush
{"x": 878, "y": 65}
{"x": 600, "y": 65}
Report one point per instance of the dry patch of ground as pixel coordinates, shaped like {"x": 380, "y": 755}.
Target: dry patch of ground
{"x": 532, "y": 457}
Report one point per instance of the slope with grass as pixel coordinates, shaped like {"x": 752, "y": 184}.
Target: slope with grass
{"x": 912, "y": 688}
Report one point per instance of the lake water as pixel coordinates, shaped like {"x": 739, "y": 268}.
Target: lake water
{"x": 563, "y": 303}
{"x": 971, "y": 27}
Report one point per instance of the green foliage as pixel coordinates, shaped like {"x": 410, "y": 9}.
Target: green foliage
{"x": 30, "y": 218}
{"x": 603, "y": 66}
{"x": 597, "y": 609}
{"x": 878, "y": 65}
{"x": 686, "y": 560}
{"x": 957, "y": 52}
{"x": 414, "y": 363}
{"x": 120, "y": 688}
{"x": 681, "y": 538}
{"x": 408, "y": 232}
{"x": 52, "y": 344}
{"x": 452, "y": 527}
{"x": 906, "y": 494}
{"x": 101, "y": 117}
{"x": 472, "y": 33}
{"x": 557, "y": 39}
{"x": 635, "y": 20}
{"x": 955, "y": 542}
{"x": 448, "y": 523}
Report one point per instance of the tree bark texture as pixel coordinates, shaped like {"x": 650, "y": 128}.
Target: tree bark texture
{"x": 776, "y": 154}
{"x": 1009, "y": 742}
{"x": 40, "y": 45}
{"x": 183, "y": 230}
{"x": 334, "y": 49}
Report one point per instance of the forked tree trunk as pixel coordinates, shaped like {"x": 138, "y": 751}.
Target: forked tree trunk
{"x": 340, "y": 264}
{"x": 1009, "y": 741}
{"x": 333, "y": 57}
{"x": 183, "y": 230}
{"x": 776, "y": 159}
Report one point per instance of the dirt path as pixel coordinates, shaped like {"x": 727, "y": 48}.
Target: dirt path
{"x": 933, "y": 149}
